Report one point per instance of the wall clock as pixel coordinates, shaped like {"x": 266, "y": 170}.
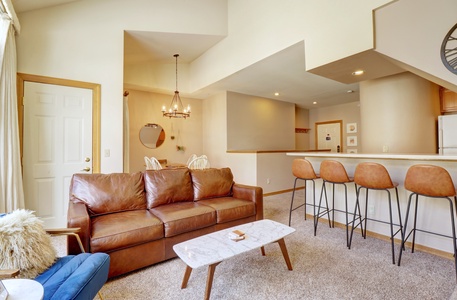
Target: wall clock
{"x": 449, "y": 50}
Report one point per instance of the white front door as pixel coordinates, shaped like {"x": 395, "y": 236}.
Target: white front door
{"x": 57, "y": 143}
{"x": 329, "y": 136}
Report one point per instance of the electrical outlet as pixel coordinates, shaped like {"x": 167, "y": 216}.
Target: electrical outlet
{"x": 385, "y": 148}
{"x": 107, "y": 153}
{"x": 268, "y": 181}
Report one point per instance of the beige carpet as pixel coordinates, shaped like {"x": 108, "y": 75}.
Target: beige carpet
{"x": 323, "y": 269}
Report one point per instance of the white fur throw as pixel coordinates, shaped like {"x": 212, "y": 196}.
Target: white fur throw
{"x": 24, "y": 244}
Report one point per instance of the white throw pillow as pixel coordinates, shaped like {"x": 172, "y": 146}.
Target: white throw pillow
{"x": 24, "y": 244}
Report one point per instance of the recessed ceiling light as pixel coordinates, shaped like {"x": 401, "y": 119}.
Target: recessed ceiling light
{"x": 276, "y": 94}
{"x": 314, "y": 102}
{"x": 349, "y": 91}
{"x": 358, "y": 72}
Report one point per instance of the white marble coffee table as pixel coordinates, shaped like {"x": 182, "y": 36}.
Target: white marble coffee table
{"x": 212, "y": 249}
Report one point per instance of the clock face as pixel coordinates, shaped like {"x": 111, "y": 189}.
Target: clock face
{"x": 449, "y": 50}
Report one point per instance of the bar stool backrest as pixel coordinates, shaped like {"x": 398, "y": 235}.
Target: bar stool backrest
{"x": 429, "y": 180}
{"x": 333, "y": 171}
{"x": 373, "y": 176}
{"x": 303, "y": 169}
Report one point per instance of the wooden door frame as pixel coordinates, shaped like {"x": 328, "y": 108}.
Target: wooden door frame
{"x": 96, "y": 100}
{"x": 316, "y": 142}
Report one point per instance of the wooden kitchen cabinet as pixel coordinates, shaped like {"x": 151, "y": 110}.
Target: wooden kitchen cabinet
{"x": 448, "y": 100}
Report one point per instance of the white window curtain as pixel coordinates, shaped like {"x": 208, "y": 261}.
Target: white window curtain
{"x": 11, "y": 188}
{"x": 126, "y": 133}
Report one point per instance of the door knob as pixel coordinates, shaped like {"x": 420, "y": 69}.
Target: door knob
{"x": 86, "y": 169}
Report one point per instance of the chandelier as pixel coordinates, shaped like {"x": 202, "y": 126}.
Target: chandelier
{"x": 176, "y": 109}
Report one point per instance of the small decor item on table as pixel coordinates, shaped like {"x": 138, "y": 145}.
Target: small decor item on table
{"x": 237, "y": 235}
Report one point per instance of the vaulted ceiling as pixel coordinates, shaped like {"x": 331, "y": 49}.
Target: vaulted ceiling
{"x": 284, "y": 72}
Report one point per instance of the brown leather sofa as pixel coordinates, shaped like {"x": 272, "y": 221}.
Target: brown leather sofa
{"x": 137, "y": 218}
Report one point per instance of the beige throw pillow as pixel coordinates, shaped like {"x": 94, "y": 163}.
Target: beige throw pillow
{"x": 24, "y": 244}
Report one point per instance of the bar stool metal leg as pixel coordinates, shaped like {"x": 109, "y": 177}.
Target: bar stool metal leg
{"x": 357, "y": 216}
{"x": 317, "y": 215}
{"x": 292, "y": 201}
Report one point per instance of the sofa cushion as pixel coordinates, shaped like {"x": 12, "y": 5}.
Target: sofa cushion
{"x": 211, "y": 183}
{"x": 107, "y": 193}
{"x": 124, "y": 229}
{"x": 168, "y": 186}
{"x": 229, "y": 209}
{"x": 184, "y": 217}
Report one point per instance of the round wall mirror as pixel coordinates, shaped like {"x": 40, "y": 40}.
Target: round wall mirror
{"x": 152, "y": 135}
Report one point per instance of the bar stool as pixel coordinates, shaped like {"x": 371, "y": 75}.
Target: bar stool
{"x": 302, "y": 169}
{"x": 431, "y": 182}
{"x": 333, "y": 172}
{"x": 374, "y": 176}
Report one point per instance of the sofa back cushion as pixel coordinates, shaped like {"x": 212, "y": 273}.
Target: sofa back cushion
{"x": 107, "y": 193}
{"x": 212, "y": 183}
{"x": 168, "y": 186}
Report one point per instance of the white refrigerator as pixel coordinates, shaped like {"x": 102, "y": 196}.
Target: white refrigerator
{"x": 447, "y": 134}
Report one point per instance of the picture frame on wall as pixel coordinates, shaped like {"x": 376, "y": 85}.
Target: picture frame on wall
{"x": 351, "y": 127}
{"x": 352, "y": 141}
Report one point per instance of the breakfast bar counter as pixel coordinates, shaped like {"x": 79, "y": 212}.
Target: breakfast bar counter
{"x": 397, "y": 166}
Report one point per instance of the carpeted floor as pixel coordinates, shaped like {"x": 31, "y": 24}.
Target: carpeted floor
{"x": 323, "y": 269}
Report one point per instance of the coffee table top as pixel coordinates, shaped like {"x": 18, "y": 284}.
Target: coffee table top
{"x": 217, "y": 246}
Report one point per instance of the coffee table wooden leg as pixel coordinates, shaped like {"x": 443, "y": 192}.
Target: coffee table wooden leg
{"x": 186, "y": 277}
{"x": 209, "y": 279}
{"x": 262, "y": 249}
{"x": 282, "y": 245}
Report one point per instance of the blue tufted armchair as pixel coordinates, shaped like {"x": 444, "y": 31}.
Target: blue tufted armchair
{"x": 72, "y": 277}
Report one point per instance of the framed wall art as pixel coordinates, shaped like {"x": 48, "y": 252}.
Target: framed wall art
{"x": 351, "y": 127}
{"x": 352, "y": 141}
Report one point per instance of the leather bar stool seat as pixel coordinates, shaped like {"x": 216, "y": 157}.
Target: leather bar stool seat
{"x": 374, "y": 176}
{"x": 302, "y": 169}
{"x": 429, "y": 182}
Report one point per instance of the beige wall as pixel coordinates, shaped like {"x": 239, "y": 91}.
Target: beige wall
{"x": 255, "y": 123}
{"x": 84, "y": 40}
{"x": 348, "y": 113}
{"x": 302, "y": 121}
{"x": 259, "y": 28}
{"x": 417, "y": 42}
{"x": 399, "y": 114}
{"x": 145, "y": 107}
{"x": 215, "y": 129}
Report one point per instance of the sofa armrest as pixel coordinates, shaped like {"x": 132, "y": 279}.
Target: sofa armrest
{"x": 78, "y": 217}
{"x": 252, "y": 193}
